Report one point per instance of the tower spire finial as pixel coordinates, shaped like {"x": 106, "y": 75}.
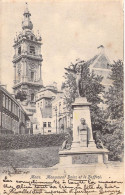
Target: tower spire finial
{"x": 27, "y": 24}
{"x": 26, "y": 8}
{"x": 26, "y": 5}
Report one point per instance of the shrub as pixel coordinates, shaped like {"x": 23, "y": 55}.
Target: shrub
{"x": 30, "y": 141}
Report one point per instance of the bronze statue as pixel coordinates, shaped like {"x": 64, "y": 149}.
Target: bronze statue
{"x": 83, "y": 132}
{"x": 77, "y": 72}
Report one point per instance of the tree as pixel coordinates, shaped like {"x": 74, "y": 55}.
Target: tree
{"x": 114, "y": 96}
{"x": 92, "y": 88}
{"x": 113, "y": 137}
{"x": 21, "y": 95}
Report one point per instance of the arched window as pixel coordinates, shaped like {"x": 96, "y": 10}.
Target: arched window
{"x": 19, "y": 50}
{"x": 32, "y": 97}
{"x": 32, "y": 76}
{"x": 32, "y": 50}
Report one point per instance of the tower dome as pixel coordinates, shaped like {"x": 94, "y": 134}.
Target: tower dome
{"x": 26, "y": 23}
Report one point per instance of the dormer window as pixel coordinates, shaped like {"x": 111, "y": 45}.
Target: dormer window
{"x": 32, "y": 50}
{"x": 19, "y": 50}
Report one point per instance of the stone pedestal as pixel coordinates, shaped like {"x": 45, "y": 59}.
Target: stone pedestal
{"x": 88, "y": 156}
{"x": 83, "y": 150}
{"x": 81, "y": 109}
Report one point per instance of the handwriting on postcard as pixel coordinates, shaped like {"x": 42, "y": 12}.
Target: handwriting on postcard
{"x": 76, "y": 185}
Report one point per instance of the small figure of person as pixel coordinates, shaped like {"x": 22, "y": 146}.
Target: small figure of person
{"x": 83, "y": 132}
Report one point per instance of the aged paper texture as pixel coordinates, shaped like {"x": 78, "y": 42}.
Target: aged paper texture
{"x": 51, "y": 52}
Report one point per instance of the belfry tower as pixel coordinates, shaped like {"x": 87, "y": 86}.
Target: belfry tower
{"x": 27, "y": 62}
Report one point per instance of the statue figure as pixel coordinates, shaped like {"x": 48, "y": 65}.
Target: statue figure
{"x": 77, "y": 72}
{"x": 66, "y": 145}
{"x": 83, "y": 132}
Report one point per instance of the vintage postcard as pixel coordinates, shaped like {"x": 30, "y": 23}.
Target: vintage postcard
{"x": 61, "y": 97}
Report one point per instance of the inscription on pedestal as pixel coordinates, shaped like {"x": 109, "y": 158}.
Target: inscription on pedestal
{"x": 85, "y": 159}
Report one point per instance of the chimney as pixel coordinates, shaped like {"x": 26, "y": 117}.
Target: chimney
{"x": 101, "y": 49}
{"x": 55, "y": 85}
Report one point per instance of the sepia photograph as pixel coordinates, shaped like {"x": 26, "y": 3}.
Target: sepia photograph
{"x": 61, "y": 97}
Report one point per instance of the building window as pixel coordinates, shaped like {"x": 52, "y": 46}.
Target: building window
{"x": 32, "y": 38}
{"x": 4, "y": 102}
{"x": 49, "y": 131}
{"x": 44, "y": 124}
{"x": 19, "y": 50}
{"x": 32, "y": 97}
{"x": 59, "y": 107}
{"x": 13, "y": 108}
{"x": 16, "y": 110}
{"x": 3, "y": 120}
{"x": 19, "y": 76}
{"x": 0, "y": 118}
{"x": 32, "y": 76}
{"x": 49, "y": 124}
{"x": 32, "y": 50}
{"x": 9, "y": 105}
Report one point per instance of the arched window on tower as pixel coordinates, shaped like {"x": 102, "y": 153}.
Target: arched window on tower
{"x": 32, "y": 76}
{"x": 19, "y": 50}
{"x": 32, "y": 50}
{"x": 32, "y": 97}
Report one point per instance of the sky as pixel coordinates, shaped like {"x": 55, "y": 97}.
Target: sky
{"x": 70, "y": 29}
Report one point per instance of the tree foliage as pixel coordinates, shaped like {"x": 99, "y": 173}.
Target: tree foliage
{"x": 108, "y": 123}
{"x": 114, "y": 96}
{"x": 92, "y": 88}
{"x": 114, "y": 140}
{"x": 113, "y": 137}
{"x": 21, "y": 95}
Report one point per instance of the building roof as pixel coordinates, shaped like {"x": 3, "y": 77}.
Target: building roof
{"x": 49, "y": 88}
{"x": 12, "y": 98}
{"x": 44, "y": 97}
{"x": 100, "y": 61}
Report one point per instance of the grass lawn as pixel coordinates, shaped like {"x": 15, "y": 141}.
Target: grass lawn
{"x": 30, "y": 157}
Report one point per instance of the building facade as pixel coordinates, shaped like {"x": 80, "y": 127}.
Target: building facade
{"x": 61, "y": 118}
{"x": 13, "y": 118}
{"x": 100, "y": 64}
{"x": 27, "y": 63}
{"x": 43, "y": 115}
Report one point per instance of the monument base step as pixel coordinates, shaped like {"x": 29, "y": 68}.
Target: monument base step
{"x": 83, "y": 155}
